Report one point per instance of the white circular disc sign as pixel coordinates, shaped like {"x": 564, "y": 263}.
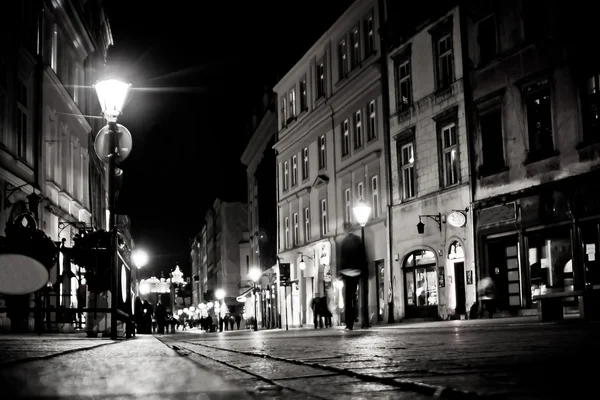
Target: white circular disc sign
{"x": 124, "y": 283}
{"x": 457, "y": 219}
{"x": 124, "y": 143}
{"x": 21, "y": 274}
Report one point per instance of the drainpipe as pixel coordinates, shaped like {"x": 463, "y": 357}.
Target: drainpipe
{"x": 277, "y": 239}
{"x": 385, "y": 99}
{"x": 468, "y": 94}
{"x": 38, "y": 103}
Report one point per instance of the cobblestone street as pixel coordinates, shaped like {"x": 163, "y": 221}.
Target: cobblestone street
{"x": 503, "y": 360}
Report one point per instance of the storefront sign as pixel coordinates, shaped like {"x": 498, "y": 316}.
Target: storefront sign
{"x": 284, "y": 274}
{"x": 457, "y": 219}
{"x": 441, "y": 277}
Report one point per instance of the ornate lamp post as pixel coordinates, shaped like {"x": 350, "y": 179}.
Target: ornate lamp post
{"x": 255, "y": 274}
{"x": 362, "y": 211}
{"x": 112, "y": 95}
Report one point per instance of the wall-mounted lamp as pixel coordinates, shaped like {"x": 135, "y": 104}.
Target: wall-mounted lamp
{"x": 302, "y": 263}
{"x": 421, "y": 226}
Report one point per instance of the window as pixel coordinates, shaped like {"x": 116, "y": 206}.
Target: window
{"x": 22, "y": 126}
{"x": 591, "y": 109}
{"x": 407, "y": 166}
{"x": 358, "y": 134}
{"x": 322, "y": 153}
{"x": 450, "y": 155}
{"x": 355, "y": 48}
{"x": 360, "y": 191}
{"x": 320, "y": 79}
{"x": 345, "y": 138}
{"x": 303, "y": 96}
{"x": 324, "y": 217}
{"x": 443, "y": 53}
{"x": 369, "y": 36}
{"x": 284, "y": 114}
{"x": 492, "y": 140}
{"x": 292, "y": 103}
{"x": 403, "y": 85}
{"x": 294, "y": 170}
{"x": 486, "y": 30}
{"x": 348, "y": 206}
{"x": 296, "y": 230}
{"x": 286, "y": 174}
{"x": 247, "y": 264}
{"x": 372, "y": 134}
{"x": 54, "y": 49}
{"x": 375, "y": 196}
{"x": 539, "y": 120}
{"x": 420, "y": 279}
{"x": 305, "y": 163}
{"x": 306, "y": 224}
{"x": 342, "y": 59}
{"x": 287, "y": 232}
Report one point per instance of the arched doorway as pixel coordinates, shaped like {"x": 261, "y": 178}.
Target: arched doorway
{"x": 421, "y": 284}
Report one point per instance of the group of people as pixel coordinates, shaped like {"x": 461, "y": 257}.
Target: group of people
{"x": 321, "y": 311}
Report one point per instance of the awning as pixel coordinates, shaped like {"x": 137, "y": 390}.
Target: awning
{"x": 242, "y": 297}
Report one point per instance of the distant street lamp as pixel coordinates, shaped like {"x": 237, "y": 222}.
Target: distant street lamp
{"x": 112, "y": 95}
{"x": 140, "y": 258}
{"x": 362, "y": 211}
{"x": 255, "y": 274}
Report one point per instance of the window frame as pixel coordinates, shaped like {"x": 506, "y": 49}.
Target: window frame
{"x": 359, "y": 141}
{"x": 324, "y": 221}
{"x": 306, "y": 224}
{"x": 375, "y": 196}
{"x": 347, "y": 206}
{"x": 403, "y": 139}
{"x": 438, "y": 33}
{"x": 322, "y": 152}
{"x": 372, "y": 131}
{"x": 528, "y": 92}
{"x": 345, "y": 131}
{"x": 305, "y": 164}
{"x": 286, "y": 175}
{"x": 294, "y": 170}
{"x": 296, "y": 231}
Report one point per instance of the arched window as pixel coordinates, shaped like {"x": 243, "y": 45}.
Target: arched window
{"x": 455, "y": 251}
{"x": 420, "y": 279}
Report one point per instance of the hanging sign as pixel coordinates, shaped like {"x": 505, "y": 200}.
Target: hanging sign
{"x": 284, "y": 274}
{"x": 457, "y": 219}
{"x": 21, "y": 274}
{"x": 124, "y": 143}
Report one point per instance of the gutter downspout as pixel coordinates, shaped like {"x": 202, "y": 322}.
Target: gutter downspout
{"x": 467, "y": 95}
{"x": 278, "y": 222}
{"x": 39, "y": 105}
{"x": 385, "y": 99}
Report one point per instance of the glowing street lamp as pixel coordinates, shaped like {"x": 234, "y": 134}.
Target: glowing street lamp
{"x": 362, "y": 211}
{"x": 220, "y": 294}
{"x": 112, "y": 95}
{"x": 140, "y": 258}
{"x": 254, "y": 274}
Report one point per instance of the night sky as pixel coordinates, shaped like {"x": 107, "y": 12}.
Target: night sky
{"x": 198, "y": 70}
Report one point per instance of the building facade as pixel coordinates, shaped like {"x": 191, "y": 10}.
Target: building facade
{"x": 219, "y": 245}
{"x": 535, "y": 128}
{"x": 433, "y": 262}
{"x": 260, "y": 160}
{"x": 48, "y": 63}
{"x": 330, "y": 156}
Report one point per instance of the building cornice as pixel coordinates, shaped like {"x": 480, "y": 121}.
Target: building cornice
{"x": 267, "y": 128}
{"x": 58, "y": 85}
{"x": 348, "y": 19}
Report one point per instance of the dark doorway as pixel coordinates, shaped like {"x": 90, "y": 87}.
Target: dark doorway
{"x": 503, "y": 268}
{"x": 380, "y": 275}
{"x": 459, "y": 276}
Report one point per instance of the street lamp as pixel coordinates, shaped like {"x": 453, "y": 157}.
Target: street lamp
{"x": 140, "y": 258}
{"x": 362, "y": 211}
{"x": 112, "y": 95}
{"x": 255, "y": 274}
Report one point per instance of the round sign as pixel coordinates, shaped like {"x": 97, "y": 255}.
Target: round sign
{"x": 124, "y": 143}
{"x": 457, "y": 219}
{"x": 21, "y": 274}
{"x": 124, "y": 283}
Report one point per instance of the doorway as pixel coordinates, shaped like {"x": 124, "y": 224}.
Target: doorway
{"x": 459, "y": 277}
{"x": 503, "y": 269}
{"x": 380, "y": 277}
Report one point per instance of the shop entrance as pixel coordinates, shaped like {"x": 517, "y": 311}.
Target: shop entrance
{"x": 503, "y": 269}
{"x": 421, "y": 284}
{"x": 459, "y": 276}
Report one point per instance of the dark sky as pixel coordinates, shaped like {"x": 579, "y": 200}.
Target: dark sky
{"x": 198, "y": 69}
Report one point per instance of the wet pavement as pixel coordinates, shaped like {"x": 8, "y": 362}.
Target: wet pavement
{"x": 48, "y": 367}
{"x": 509, "y": 358}
{"x": 521, "y": 359}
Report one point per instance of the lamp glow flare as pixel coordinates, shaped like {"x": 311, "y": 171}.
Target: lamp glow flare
{"x": 112, "y": 95}
{"x": 362, "y": 211}
{"x": 140, "y": 258}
